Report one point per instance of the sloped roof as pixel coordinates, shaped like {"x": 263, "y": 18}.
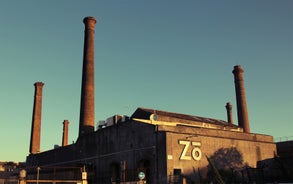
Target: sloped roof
{"x": 145, "y": 113}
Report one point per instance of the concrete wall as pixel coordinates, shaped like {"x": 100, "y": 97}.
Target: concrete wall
{"x": 121, "y": 150}
{"x": 128, "y": 142}
{"x": 187, "y": 149}
{"x": 128, "y": 147}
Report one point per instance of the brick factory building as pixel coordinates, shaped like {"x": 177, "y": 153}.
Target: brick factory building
{"x": 151, "y": 145}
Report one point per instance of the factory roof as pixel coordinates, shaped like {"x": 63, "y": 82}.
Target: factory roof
{"x": 154, "y": 116}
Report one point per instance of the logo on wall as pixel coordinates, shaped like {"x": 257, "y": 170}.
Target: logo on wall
{"x": 195, "y": 153}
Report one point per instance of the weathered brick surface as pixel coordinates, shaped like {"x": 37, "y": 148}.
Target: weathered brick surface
{"x": 134, "y": 143}
{"x": 65, "y": 133}
{"x": 36, "y": 119}
{"x": 250, "y": 148}
{"x": 242, "y": 111}
{"x": 87, "y": 102}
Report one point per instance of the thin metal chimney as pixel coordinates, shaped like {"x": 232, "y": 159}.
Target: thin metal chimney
{"x": 87, "y": 102}
{"x": 65, "y": 133}
{"x": 229, "y": 112}
{"x": 242, "y": 111}
{"x": 36, "y": 119}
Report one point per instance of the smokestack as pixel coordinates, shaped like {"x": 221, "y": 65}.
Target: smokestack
{"x": 241, "y": 99}
{"x": 65, "y": 133}
{"x": 36, "y": 120}
{"x": 87, "y": 102}
{"x": 229, "y": 112}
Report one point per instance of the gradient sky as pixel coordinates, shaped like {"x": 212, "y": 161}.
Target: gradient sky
{"x": 169, "y": 55}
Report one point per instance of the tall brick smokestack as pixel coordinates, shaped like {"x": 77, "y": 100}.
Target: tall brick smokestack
{"x": 242, "y": 111}
{"x": 229, "y": 112}
{"x": 87, "y": 102}
{"x": 36, "y": 119}
{"x": 65, "y": 133}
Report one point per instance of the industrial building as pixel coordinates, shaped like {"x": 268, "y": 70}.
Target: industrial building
{"x": 150, "y": 146}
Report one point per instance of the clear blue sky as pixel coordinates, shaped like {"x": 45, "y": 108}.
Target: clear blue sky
{"x": 170, "y": 55}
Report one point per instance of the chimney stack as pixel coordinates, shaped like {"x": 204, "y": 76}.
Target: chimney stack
{"x": 65, "y": 133}
{"x": 36, "y": 119}
{"x": 87, "y": 102}
{"x": 241, "y": 99}
{"x": 229, "y": 112}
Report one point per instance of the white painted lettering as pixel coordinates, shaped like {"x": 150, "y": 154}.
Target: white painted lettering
{"x": 185, "y": 149}
{"x": 195, "y": 152}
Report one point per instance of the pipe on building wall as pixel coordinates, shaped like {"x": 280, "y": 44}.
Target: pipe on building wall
{"x": 242, "y": 111}
{"x": 87, "y": 102}
{"x": 229, "y": 113}
{"x": 36, "y": 119}
{"x": 65, "y": 133}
